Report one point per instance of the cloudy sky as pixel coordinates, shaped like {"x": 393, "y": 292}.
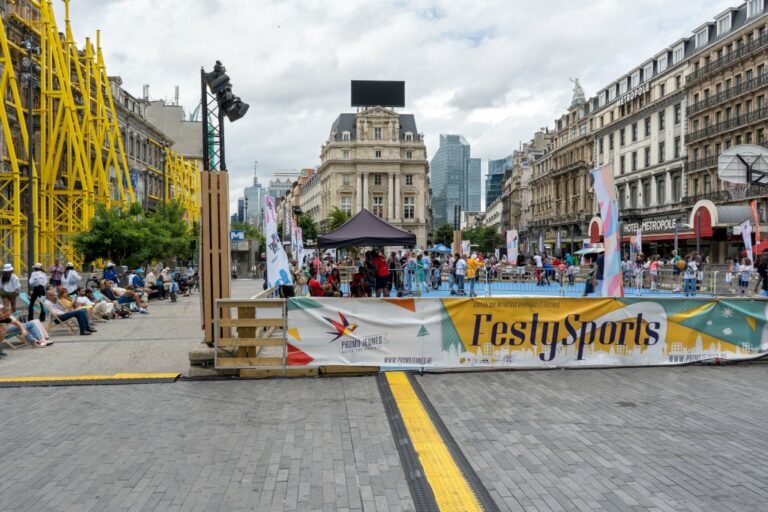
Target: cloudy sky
{"x": 493, "y": 71}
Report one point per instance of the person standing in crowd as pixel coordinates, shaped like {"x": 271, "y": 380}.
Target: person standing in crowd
{"x": 589, "y": 284}
{"x": 38, "y": 280}
{"x": 56, "y": 272}
{"x": 689, "y": 275}
{"x": 597, "y": 278}
{"x": 382, "y": 274}
{"x": 461, "y": 270}
{"x": 653, "y": 269}
{"x": 745, "y": 270}
{"x": 10, "y": 286}
{"x": 60, "y": 314}
{"x": 678, "y": 265}
{"x": 472, "y": 267}
{"x": 395, "y": 279}
{"x": 71, "y": 279}
{"x": 762, "y": 271}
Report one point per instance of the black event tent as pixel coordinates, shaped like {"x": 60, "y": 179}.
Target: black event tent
{"x": 366, "y": 229}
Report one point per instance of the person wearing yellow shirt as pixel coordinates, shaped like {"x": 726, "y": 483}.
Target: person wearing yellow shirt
{"x": 472, "y": 265}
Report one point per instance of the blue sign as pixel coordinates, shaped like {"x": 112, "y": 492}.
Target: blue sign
{"x": 237, "y": 235}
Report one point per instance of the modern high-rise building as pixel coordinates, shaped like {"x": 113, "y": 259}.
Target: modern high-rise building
{"x": 455, "y": 178}
{"x": 494, "y": 181}
{"x": 253, "y": 204}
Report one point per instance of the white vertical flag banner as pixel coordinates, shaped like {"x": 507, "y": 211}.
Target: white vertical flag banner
{"x": 299, "y": 245}
{"x": 639, "y": 241}
{"x": 278, "y": 268}
{"x": 513, "y": 247}
{"x": 746, "y": 234}
{"x": 465, "y": 247}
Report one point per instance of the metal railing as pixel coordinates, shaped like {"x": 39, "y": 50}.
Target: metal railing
{"x": 726, "y": 59}
{"x": 729, "y": 93}
{"x": 729, "y": 124}
{"x": 512, "y": 280}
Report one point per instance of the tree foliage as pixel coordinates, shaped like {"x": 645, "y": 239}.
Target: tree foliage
{"x": 251, "y": 232}
{"x": 444, "y": 235}
{"x": 337, "y": 218}
{"x": 308, "y": 227}
{"x": 487, "y": 238}
{"x": 134, "y": 237}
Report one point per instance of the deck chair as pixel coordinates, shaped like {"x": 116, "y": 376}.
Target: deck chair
{"x": 13, "y": 337}
{"x": 52, "y": 322}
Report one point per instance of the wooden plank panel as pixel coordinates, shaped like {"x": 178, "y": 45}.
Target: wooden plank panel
{"x": 251, "y": 303}
{"x": 251, "y": 322}
{"x": 225, "y": 362}
{"x": 250, "y": 342}
{"x": 206, "y": 309}
{"x": 264, "y": 373}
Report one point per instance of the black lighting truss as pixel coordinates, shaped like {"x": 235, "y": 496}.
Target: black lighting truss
{"x": 213, "y": 129}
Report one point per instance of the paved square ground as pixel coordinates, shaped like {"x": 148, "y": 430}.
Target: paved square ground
{"x": 254, "y": 445}
{"x": 659, "y": 439}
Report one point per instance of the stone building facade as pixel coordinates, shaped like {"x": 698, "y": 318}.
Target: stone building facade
{"x": 374, "y": 159}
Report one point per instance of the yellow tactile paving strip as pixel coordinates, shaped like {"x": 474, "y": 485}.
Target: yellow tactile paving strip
{"x": 451, "y": 490}
{"x": 116, "y": 376}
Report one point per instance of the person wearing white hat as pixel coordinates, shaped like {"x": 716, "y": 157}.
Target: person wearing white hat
{"x": 38, "y": 280}
{"x": 71, "y": 279}
{"x": 9, "y": 286}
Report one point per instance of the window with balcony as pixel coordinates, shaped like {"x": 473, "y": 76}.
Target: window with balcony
{"x": 748, "y": 138}
{"x": 409, "y": 179}
{"x": 678, "y": 113}
{"x": 634, "y": 132}
{"x": 677, "y": 188}
{"x": 661, "y": 153}
{"x": 633, "y": 196}
{"x": 647, "y": 193}
{"x": 378, "y": 206}
{"x": 702, "y": 37}
{"x": 761, "y": 135}
{"x": 661, "y": 120}
{"x": 346, "y": 204}
{"x": 707, "y": 184}
{"x": 409, "y": 207}
{"x": 647, "y": 126}
{"x": 377, "y": 179}
{"x": 724, "y": 24}
{"x": 754, "y": 7}
{"x": 677, "y": 147}
{"x": 377, "y": 133}
{"x": 661, "y": 190}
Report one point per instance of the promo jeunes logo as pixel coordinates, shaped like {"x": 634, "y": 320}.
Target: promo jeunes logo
{"x": 349, "y": 342}
{"x": 343, "y": 328}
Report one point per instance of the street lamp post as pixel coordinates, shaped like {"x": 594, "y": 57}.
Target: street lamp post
{"x": 29, "y": 76}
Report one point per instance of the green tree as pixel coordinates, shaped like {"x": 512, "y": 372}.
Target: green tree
{"x": 444, "y": 235}
{"x": 486, "y": 239}
{"x": 132, "y": 237}
{"x": 251, "y": 232}
{"x": 308, "y": 227}
{"x": 336, "y": 219}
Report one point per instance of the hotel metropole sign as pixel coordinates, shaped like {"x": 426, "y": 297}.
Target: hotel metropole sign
{"x": 634, "y": 93}
{"x": 650, "y": 226}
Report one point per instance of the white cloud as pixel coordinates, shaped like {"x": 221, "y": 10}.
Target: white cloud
{"x": 494, "y": 71}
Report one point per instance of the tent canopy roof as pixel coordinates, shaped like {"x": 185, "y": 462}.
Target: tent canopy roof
{"x": 366, "y": 229}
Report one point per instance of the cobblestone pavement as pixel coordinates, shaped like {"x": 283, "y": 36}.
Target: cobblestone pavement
{"x": 248, "y": 445}
{"x": 157, "y": 342}
{"x": 659, "y": 439}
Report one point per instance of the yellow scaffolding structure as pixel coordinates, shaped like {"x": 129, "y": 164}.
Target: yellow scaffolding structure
{"x": 79, "y": 158}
